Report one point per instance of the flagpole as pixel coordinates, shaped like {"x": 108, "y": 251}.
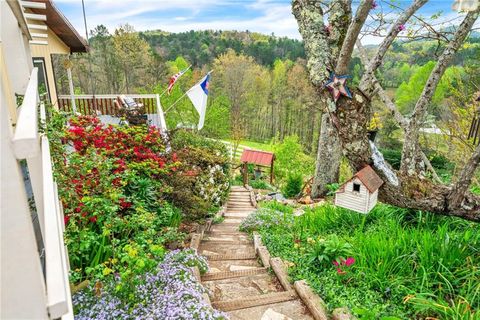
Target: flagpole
{"x": 173, "y": 104}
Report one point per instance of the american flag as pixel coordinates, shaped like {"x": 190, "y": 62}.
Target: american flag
{"x": 174, "y": 79}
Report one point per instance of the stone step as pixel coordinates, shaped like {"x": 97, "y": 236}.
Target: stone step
{"x": 253, "y": 301}
{"x": 224, "y": 228}
{"x": 210, "y": 276}
{"x": 239, "y": 203}
{"x": 232, "y": 265}
{"x": 229, "y": 220}
{"x": 240, "y": 209}
{"x": 235, "y": 288}
{"x": 238, "y": 189}
{"x": 212, "y": 233}
{"x": 218, "y": 257}
{"x": 211, "y": 249}
{"x": 220, "y": 241}
{"x": 288, "y": 310}
{"x": 241, "y": 215}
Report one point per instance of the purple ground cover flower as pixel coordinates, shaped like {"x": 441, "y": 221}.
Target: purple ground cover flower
{"x": 265, "y": 218}
{"x": 170, "y": 292}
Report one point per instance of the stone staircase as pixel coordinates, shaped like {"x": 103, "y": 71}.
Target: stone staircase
{"x": 238, "y": 283}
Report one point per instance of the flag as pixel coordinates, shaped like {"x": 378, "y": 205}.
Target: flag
{"x": 198, "y": 95}
{"x": 174, "y": 79}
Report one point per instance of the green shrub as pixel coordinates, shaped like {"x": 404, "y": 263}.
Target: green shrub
{"x": 293, "y": 185}
{"x": 290, "y": 158}
{"x": 260, "y": 184}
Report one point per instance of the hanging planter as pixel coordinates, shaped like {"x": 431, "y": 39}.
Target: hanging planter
{"x": 372, "y": 134}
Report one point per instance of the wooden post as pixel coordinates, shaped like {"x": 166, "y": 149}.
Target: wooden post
{"x": 245, "y": 174}
{"x": 271, "y": 170}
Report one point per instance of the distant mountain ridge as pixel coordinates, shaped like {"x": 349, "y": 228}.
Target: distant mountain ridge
{"x": 201, "y": 47}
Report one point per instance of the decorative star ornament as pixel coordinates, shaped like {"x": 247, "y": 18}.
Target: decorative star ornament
{"x": 338, "y": 86}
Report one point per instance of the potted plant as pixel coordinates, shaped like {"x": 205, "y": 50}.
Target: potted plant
{"x": 373, "y": 127}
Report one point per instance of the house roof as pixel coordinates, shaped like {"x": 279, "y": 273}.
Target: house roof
{"x": 60, "y": 25}
{"x": 258, "y": 157}
{"x": 369, "y": 178}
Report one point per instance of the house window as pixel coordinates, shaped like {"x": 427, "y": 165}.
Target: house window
{"x": 356, "y": 187}
{"x": 43, "y": 89}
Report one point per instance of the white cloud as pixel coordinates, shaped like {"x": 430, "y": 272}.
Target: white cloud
{"x": 271, "y": 16}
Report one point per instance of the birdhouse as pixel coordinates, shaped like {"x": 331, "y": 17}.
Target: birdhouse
{"x": 360, "y": 193}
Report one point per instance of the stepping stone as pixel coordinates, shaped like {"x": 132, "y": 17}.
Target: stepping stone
{"x": 270, "y": 314}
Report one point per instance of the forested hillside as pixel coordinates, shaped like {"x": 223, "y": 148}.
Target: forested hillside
{"x": 260, "y": 88}
{"x": 202, "y": 47}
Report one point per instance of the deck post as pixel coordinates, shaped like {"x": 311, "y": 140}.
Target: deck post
{"x": 72, "y": 92}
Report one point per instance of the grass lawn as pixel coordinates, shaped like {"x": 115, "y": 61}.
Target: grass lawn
{"x": 256, "y": 145}
{"x": 389, "y": 264}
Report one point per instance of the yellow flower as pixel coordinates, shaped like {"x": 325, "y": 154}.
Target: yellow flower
{"x": 107, "y": 271}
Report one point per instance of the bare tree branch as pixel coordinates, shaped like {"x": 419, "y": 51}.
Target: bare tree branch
{"x": 352, "y": 36}
{"x": 410, "y": 161}
{"x": 366, "y": 83}
{"x": 394, "y": 110}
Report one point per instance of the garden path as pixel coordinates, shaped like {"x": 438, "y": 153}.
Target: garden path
{"x": 238, "y": 283}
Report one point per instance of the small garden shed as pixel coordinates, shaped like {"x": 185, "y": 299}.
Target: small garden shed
{"x": 360, "y": 192}
{"x": 259, "y": 158}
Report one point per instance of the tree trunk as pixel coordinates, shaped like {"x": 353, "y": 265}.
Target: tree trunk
{"x": 329, "y": 156}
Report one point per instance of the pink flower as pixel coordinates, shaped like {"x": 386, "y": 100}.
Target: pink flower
{"x": 401, "y": 27}
{"x": 374, "y": 5}
{"x": 349, "y": 261}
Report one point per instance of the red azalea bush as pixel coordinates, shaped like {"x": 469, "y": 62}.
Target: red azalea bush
{"x": 117, "y": 185}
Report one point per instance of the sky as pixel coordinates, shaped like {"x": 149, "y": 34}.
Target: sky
{"x": 264, "y": 16}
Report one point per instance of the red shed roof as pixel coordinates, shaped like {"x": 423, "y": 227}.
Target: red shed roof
{"x": 258, "y": 157}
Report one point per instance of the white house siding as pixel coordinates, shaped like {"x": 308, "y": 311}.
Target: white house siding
{"x": 372, "y": 200}
{"x": 357, "y": 201}
{"x": 17, "y": 60}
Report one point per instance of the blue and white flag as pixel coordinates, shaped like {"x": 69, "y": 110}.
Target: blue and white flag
{"x": 198, "y": 94}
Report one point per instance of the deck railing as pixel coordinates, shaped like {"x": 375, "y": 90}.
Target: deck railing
{"x": 28, "y": 143}
{"x": 105, "y": 104}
